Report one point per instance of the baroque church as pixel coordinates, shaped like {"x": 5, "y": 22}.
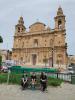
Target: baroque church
{"x": 41, "y": 45}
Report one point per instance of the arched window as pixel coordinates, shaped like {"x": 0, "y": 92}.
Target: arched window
{"x": 18, "y": 29}
{"x": 59, "y": 24}
{"x": 59, "y": 59}
{"x": 51, "y": 42}
{"x": 35, "y": 42}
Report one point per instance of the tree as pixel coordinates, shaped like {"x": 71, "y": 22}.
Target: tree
{"x": 1, "y": 40}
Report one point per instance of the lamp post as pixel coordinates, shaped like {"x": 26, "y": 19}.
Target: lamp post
{"x": 7, "y": 54}
{"x": 1, "y": 41}
{"x": 52, "y": 57}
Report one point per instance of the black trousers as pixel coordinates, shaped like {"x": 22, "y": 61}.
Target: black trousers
{"x": 24, "y": 85}
{"x": 44, "y": 86}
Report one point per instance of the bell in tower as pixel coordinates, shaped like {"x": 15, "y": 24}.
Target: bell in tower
{"x": 60, "y": 20}
{"x": 20, "y": 28}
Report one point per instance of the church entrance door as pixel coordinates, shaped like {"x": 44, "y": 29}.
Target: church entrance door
{"x": 50, "y": 62}
{"x": 34, "y": 58}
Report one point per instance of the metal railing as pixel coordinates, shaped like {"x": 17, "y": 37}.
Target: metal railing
{"x": 63, "y": 76}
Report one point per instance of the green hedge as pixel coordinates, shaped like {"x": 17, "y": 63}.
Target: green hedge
{"x": 3, "y": 78}
{"x": 16, "y": 78}
{"x": 54, "y": 82}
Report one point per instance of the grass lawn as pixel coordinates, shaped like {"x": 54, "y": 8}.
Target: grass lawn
{"x": 16, "y": 78}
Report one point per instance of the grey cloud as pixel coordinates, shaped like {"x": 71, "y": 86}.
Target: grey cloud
{"x": 31, "y": 10}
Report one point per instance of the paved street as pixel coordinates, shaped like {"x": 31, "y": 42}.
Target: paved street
{"x": 13, "y": 92}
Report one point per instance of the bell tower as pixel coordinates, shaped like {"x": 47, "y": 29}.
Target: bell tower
{"x": 60, "y": 20}
{"x": 20, "y": 28}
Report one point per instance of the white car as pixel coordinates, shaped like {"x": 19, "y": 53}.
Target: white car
{"x": 71, "y": 71}
{"x": 70, "y": 68}
{"x": 4, "y": 69}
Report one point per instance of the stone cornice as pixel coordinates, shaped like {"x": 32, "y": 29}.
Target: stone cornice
{"x": 45, "y": 32}
{"x": 35, "y": 33}
{"x": 55, "y": 47}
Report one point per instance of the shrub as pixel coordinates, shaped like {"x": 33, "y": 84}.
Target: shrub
{"x": 15, "y": 78}
{"x": 3, "y": 78}
{"x": 54, "y": 82}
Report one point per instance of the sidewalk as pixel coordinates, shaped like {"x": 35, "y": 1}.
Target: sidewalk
{"x": 14, "y": 92}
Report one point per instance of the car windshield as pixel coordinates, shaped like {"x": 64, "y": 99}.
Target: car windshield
{"x": 9, "y": 64}
{"x": 4, "y": 64}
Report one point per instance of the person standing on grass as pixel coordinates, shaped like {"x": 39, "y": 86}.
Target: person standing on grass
{"x": 43, "y": 81}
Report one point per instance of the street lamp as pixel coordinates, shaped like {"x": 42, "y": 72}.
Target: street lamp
{"x": 52, "y": 57}
{"x": 7, "y": 54}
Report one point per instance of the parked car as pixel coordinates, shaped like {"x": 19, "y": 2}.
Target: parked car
{"x": 70, "y": 70}
{"x": 70, "y": 67}
{"x": 4, "y": 69}
{"x": 8, "y": 63}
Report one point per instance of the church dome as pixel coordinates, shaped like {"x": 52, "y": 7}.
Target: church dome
{"x": 37, "y": 26}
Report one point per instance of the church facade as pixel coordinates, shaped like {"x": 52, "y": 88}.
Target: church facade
{"x": 41, "y": 45}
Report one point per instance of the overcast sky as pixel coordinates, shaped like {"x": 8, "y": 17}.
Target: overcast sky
{"x": 31, "y": 10}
